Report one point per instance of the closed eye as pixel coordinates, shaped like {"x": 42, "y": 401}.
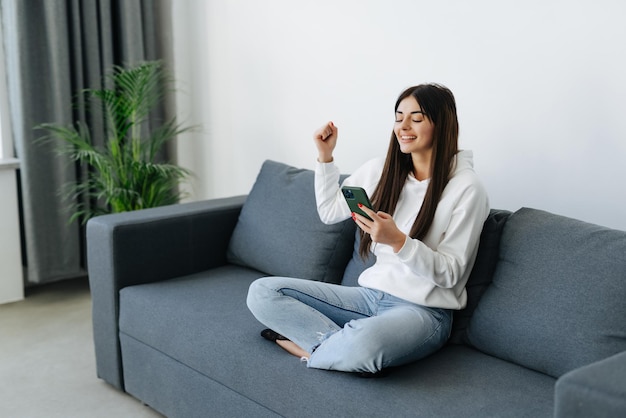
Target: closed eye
{"x": 399, "y": 116}
{"x": 416, "y": 121}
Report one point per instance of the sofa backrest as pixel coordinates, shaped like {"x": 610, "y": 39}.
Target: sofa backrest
{"x": 279, "y": 231}
{"x": 558, "y": 296}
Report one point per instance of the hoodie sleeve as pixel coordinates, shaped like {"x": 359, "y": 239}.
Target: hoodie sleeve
{"x": 331, "y": 206}
{"x": 448, "y": 257}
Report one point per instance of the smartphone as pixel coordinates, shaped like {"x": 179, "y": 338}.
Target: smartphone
{"x": 354, "y": 196}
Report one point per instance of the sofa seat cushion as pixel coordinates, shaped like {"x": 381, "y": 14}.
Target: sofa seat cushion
{"x": 556, "y": 302}
{"x": 279, "y": 231}
{"x": 200, "y": 324}
{"x": 187, "y": 316}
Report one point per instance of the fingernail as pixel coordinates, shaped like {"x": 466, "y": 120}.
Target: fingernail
{"x": 360, "y": 205}
{"x": 353, "y": 216}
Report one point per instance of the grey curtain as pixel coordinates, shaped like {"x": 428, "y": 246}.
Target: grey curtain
{"x": 53, "y": 50}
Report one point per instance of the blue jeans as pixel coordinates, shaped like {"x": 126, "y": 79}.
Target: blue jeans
{"x": 352, "y": 329}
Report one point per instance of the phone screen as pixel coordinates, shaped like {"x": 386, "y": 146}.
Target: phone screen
{"x": 354, "y": 196}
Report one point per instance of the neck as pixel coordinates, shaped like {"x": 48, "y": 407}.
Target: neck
{"x": 421, "y": 165}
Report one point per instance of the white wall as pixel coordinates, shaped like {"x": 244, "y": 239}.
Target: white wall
{"x": 11, "y": 275}
{"x": 540, "y": 88}
{"x": 11, "y": 279}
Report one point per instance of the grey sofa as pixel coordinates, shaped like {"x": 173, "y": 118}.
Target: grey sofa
{"x": 544, "y": 333}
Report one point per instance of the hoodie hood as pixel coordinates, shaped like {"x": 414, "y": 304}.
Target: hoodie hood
{"x": 463, "y": 160}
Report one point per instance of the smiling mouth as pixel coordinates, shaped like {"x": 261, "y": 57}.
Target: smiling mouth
{"x": 408, "y": 138}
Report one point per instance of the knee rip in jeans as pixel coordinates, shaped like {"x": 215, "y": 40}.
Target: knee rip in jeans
{"x": 321, "y": 337}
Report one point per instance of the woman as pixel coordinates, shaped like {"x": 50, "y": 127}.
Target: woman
{"x": 429, "y": 211}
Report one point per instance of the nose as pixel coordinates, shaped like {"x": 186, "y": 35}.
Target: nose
{"x": 406, "y": 123}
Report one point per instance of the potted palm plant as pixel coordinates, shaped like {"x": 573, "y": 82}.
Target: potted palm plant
{"x": 124, "y": 173}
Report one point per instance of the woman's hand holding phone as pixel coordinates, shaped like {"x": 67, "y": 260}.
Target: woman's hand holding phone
{"x": 325, "y": 140}
{"x": 381, "y": 227}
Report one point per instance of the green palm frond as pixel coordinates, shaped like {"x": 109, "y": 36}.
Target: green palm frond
{"x": 162, "y": 134}
{"x": 123, "y": 173}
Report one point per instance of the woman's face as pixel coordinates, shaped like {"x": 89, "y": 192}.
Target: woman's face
{"x": 413, "y": 129}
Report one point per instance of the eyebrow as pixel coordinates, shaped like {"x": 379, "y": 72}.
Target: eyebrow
{"x": 412, "y": 113}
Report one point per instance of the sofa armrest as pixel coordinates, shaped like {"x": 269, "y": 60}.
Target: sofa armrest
{"x": 595, "y": 390}
{"x": 146, "y": 246}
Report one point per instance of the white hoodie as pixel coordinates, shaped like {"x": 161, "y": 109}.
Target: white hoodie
{"x": 432, "y": 272}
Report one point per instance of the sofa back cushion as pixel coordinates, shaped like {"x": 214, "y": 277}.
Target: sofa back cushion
{"x": 279, "y": 231}
{"x": 556, "y": 302}
{"x": 482, "y": 272}
{"x": 357, "y": 264}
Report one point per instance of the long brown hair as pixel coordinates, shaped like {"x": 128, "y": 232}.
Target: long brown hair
{"x": 438, "y": 105}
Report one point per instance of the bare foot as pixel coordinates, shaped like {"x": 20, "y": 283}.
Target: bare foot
{"x": 293, "y": 348}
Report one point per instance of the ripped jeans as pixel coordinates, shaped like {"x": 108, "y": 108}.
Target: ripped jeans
{"x": 352, "y": 329}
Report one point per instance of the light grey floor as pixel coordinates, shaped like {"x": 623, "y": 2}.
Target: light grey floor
{"x": 47, "y": 363}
